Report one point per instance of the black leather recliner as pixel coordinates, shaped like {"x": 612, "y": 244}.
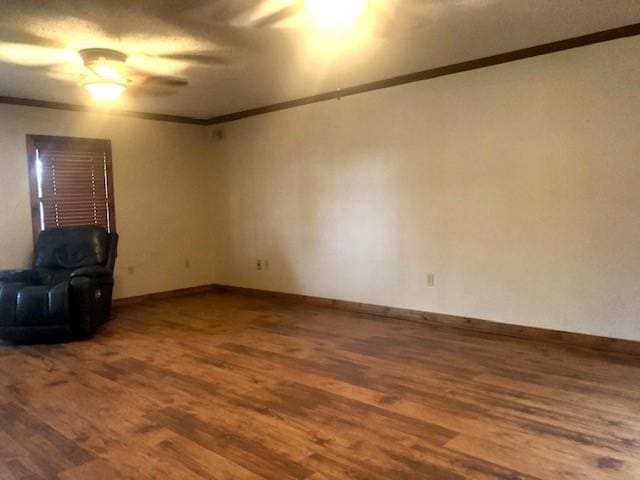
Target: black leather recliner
{"x": 67, "y": 294}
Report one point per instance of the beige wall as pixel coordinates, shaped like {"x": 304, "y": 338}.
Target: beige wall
{"x": 518, "y": 186}
{"x": 160, "y": 195}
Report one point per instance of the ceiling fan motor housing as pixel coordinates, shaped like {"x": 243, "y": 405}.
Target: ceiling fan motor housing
{"x": 91, "y": 56}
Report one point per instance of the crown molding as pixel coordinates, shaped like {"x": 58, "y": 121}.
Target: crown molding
{"x": 28, "y": 102}
{"x": 513, "y": 56}
{"x": 544, "y": 49}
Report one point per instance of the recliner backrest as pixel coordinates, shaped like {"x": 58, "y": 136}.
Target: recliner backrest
{"x": 75, "y": 247}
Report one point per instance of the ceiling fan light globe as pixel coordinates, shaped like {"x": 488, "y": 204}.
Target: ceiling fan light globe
{"x": 105, "y": 90}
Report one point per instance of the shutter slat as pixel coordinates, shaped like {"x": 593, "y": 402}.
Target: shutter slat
{"x": 48, "y": 154}
{"x": 73, "y": 172}
{"x": 79, "y": 197}
{"x": 88, "y": 217}
{"x": 76, "y": 210}
{"x": 63, "y": 191}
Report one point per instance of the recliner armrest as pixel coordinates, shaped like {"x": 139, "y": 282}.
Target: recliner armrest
{"x": 19, "y": 276}
{"x": 97, "y": 272}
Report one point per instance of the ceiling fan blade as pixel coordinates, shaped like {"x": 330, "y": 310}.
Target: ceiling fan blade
{"x": 34, "y": 55}
{"x": 28, "y": 38}
{"x": 28, "y": 66}
{"x": 66, "y": 73}
{"x": 200, "y": 58}
{"x": 141, "y": 79}
{"x": 163, "y": 81}
{"x": 156, "y": 85}
{"x": 138, "y": 91}
{"x": 278, "y": 16}
{"x": 167, "y": 81}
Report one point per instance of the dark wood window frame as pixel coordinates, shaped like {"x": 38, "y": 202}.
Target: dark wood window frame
{"x": 34, "y": 142}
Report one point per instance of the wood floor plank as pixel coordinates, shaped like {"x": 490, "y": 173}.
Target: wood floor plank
{"x": 203, "y": 461}
{"x": 553, "y": 411}
{"x": 547, "y": 460}
{"x": 226, "y": 386}
{"x": 51, "y": 451}
{"x": 235, "y": 446}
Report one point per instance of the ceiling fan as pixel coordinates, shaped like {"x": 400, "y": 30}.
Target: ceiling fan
{"x": 106, "y": 72}
{"x": 107, "y": 75}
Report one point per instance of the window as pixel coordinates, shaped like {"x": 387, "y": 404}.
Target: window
{"x": 71, "y": 182}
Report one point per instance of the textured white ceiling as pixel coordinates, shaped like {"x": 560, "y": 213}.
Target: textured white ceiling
{"x": 247, "y": 65}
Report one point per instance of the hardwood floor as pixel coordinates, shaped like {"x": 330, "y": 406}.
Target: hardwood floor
{"x": 225, "y": 386}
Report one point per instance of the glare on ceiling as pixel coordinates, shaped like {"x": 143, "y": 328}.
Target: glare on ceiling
{"x": 335, "y": 13}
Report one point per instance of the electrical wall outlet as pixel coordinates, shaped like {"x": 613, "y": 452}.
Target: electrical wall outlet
{"x": 258, "y": 264}
{"x": 187, "y": 264}
{"x": 431, "y": 279}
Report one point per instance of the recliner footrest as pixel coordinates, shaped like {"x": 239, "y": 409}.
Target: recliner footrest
{"x": 33, "y": 310}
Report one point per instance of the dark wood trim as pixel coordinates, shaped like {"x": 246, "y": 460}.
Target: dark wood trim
{"x": 99, "y": 144}
{"x": 580, "y": 340}
{"x": 82, "y": 143}
{"x": 567, "y": 44}
{"x": 28, "y": 102}
{"x": 544, "y": 49}
{"x": 182, "y": 292}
